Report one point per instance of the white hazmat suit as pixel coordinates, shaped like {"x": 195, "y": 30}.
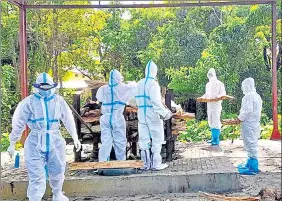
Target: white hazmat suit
{"x": 150, "y": 124}
{"x": 44, "y": 146}
{"x": 214, "y": 89}
{"x": 249, "y": 116}
{"x": 113, "y": 126}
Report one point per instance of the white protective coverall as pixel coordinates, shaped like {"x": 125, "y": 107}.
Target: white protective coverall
{"x": 150, "y": 124}
{"x": 44, "y": 146}
{"x": 250, "y": 115}
{"x": 113, "y": 126}
{"x": 214, "y": 89}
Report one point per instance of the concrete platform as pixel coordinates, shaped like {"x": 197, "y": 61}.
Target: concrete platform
{"x": 157, "y": 183}
{"x": 193, "y": 170}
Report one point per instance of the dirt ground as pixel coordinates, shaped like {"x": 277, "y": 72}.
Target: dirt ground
{"x": 269, "y": 177}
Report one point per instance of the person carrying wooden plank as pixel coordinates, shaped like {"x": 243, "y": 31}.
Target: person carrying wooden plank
{"x": 113, "y": 127}
{"x": 150, "y": 124}
{"x": 45, "y": 147}
{"x": 214, "y": 89}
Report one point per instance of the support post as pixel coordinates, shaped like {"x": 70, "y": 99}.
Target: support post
{"x": 76, "y": 105}
{"x": 134, "y": 147}
{"x": 93, "y": 93}
{"x": 168, "y": 134}
{"x": 174, "y": 136}
{"x": 275, "y": 133}
{"x": 95, "y": 150}
{"x": 23, "y": 59}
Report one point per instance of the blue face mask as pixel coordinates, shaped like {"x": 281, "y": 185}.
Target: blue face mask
{"x": 44, "y": 93}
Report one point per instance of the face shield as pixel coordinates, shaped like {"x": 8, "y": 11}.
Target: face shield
{"x": 44, "y": 84}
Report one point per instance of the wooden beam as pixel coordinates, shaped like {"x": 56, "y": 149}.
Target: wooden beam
{"x": 209, "y": 100}
{"x": 184, "y": 116}
{"x": 106, "y": 165}
{"x": 213, "y": 197}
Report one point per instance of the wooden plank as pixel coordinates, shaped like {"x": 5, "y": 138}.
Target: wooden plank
{"x": 179, "y": 128}
{"x": 95, "y": 84}
{"x": 80, "y": 118}
{"x": 230, "y": 122}
{"x": 184, "y": 116}
{"x": 206, "y": 196}
{"x": 91, "y": 119}
{"x": 131, "y": 108}
{"x": 106, "y": 165}
{"x": 207, "y": 100}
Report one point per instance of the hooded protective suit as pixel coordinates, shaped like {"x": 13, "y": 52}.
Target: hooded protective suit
{"x": 250, "y": 115}
{"x": 150, "y": 124}
{"x": 113, "y": 127}
{"x": 44, "y": 146}
{"x": 214, "y": 89}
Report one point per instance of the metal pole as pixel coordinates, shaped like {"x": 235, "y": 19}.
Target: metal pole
{"x": 275, "y": 133}
{"x": 23, "y": 59}
{"x": 173, "y": 5}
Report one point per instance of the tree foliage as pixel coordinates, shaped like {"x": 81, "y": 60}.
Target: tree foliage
{"x": 183, "y": 42}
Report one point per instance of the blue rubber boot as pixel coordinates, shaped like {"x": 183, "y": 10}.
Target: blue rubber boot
{"x": 245, "y": 165}
{"x": 253, "y": 165}
{"x": 210, "y": 141}
{"x": 250, "y": 168}
{"x": 215, "y": 136}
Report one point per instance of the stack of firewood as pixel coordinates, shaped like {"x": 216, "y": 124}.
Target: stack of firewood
{"x": 178, "y": 120}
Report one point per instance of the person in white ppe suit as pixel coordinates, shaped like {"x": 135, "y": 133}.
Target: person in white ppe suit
{"x": 114, "y": 97}
{"x": 44, "y": 146}
{"x": 250, "y": 115}
{"x": 214, "y": 89}
{"x": 151, "y": 113}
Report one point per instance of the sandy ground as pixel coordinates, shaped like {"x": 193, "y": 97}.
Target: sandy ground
{"x": 269, "y": 177}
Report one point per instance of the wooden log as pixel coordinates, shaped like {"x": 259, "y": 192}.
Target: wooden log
{"x": 176, "y": 132}
{"x": 95, "y": 84}
{"x": 132, "y": 125}
{"x": 95, "y": 113}
{"x": 91, "y": 119}
{"x": 230, "y": 122}
{"x": 207, "y": 100}
{"x": 131, "y": 109}
{"x": 179, "y": 128}
{"x": 207, "y": 196}
{"x": 184, "y": 116}
{"x": 268, "y": 194}
{"x": 106, "y": 165}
